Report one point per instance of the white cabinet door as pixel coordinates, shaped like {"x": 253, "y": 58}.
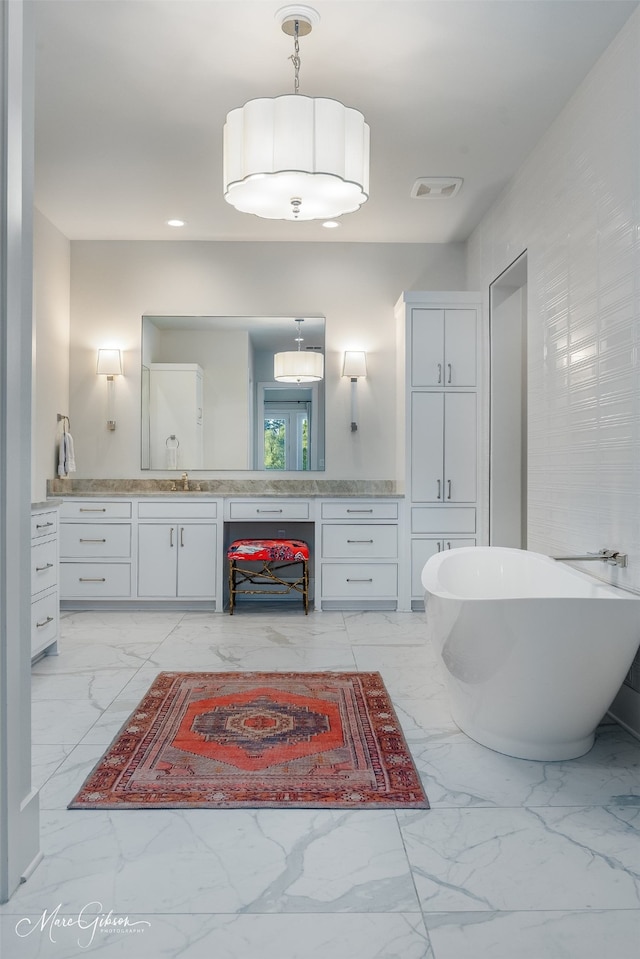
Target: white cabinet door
{"x": 443, "y": 347}
{"x": 459, "y": 448}
{"x": 427, "y": 447}
{"x": 427, "y": 347}
{"x": 443, "y": 447}
{"x": 421, "y": 551}
{"x": 157, "y": 559}
{"x": 459, "y": 348}
{"x": 197, "y": 560}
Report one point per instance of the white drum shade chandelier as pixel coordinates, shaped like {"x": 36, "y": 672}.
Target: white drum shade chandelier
{"x": 298, "y": 366}
{"x": 294, "y": 157}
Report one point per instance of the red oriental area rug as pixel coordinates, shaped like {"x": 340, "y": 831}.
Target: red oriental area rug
{"x": 229, "y": 740}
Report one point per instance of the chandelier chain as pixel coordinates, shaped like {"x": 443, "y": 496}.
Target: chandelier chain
{"x": 295, "y": 57}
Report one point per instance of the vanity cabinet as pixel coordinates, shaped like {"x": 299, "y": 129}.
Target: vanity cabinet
{"x": 440, "y": 416}
{"x": 45, "y": 604}
{"x": 95, "y": 549}
{"x": 177, "y": 560}
{"x": 359, "y": 554}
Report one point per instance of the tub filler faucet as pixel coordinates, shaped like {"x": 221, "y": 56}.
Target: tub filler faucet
{"x": 610, "y": 556}
{"x": 185, "y": 482}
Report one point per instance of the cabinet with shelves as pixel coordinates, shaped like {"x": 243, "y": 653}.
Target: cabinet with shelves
{"x": 45, "y": 600}
{"x": 359, "y": 555}
{"x": 440, "y": 426}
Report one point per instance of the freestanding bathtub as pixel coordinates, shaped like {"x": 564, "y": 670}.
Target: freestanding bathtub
{"x": 533, "y": 651}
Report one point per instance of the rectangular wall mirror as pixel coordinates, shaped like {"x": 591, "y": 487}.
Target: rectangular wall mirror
{"x": 210, "y": 400}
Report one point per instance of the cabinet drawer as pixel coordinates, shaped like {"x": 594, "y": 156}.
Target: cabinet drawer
{"x": 44, "y": 572}
{"x": 359, "y": 580}
{"x": 275, "y": 510}
{"x": 95, "y": 580}
{"x": 374, "y": 542}
{"x": 177, "y": 510}
{"x": 94, "y": 509}
{"x": 95, "y": 539}
{"x": 431, "y": 519}
{"x": 44, "y": 621}
{"x": 44, "y": 524}
{"x": 359, "y": 510}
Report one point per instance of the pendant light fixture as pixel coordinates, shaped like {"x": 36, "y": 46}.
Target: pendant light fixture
{"x": 294, "y": 157}
{"x": 296, "y": 366}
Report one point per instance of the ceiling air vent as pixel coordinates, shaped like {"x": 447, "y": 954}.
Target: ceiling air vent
{"x": 435, "y": 187}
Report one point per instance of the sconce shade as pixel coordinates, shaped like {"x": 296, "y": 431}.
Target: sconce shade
{"x": 109, "y": 363}
{"x": 355, "y": 363}
{"x": 296, "y": 158}
{"x": 296, "y": 366}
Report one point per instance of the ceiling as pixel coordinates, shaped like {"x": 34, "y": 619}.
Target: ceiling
{"x": 131, "y": 98}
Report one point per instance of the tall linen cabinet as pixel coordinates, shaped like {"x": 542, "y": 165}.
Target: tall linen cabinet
{"x": 440, "y": 430}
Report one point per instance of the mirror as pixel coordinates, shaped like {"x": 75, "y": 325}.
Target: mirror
{"x": 210, "y": 400}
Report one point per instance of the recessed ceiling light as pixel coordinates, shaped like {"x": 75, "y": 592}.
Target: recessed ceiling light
{"x": 331, "y": 224}
{"x": 175, "y": 222}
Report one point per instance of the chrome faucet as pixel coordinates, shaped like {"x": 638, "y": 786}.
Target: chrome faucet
{"x": 610, "y": 556}
{"x": 185, "y": 482}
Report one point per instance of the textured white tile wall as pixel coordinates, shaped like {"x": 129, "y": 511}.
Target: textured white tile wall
{"x": 575, "y": 206}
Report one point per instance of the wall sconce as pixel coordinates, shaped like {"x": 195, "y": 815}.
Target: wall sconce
{"x": 110, "y": 365}
{"x": 355, "y": 365}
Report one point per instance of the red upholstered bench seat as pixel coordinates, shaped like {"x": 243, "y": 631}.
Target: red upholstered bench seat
{"x": 286, "y": 550}
{"x": 279, "y": 558}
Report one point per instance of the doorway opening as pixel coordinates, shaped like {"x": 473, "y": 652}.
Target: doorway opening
{"x": 508, "y": 407}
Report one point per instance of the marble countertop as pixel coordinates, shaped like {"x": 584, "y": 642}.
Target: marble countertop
{"x": 215, "y": 487}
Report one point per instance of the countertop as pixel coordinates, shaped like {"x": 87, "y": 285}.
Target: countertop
{"x": 228, "y": 488}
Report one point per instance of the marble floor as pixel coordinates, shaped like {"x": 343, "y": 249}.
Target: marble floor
{"x": 515, "y": 858}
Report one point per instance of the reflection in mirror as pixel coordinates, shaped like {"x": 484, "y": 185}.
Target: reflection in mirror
{"x": 210, "y": 400}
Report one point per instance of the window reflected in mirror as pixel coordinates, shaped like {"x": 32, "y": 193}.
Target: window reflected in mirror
{"x": 210, "y": 400}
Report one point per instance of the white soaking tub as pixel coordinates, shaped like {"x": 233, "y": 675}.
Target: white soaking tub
{"x": 533, "y": 652}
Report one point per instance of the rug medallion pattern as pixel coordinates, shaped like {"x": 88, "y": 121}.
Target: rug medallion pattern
{"x": 223, "y": 740}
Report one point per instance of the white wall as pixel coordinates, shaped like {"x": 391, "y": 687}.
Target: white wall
{"x": 355, "y": 286}
{"x": 575, "y": 206}
{"x": 50, "y": 386}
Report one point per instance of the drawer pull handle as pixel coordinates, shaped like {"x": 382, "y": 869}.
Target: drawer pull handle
{"x": 448, "y": 489}
{"x": 43, "y": 525}
{"x": 370, "y": 510}
{"x": 439, "y": 372}
{"x": 268, "y": 510}
{"x": 39, "y": 569}
{"x": 449, "y": 372}
{"x": 93, "y": 509}
{"x": 171, "y": 537}
{"x": 98, "y": 579}
{"x": 45, "y": 622}
{"x": 182, "y": 535}
{"x": 92, "y": 540}
{"x": 439, "y": 490}
{"x": 370, "y": 580}
{"x": 359, "y": 541}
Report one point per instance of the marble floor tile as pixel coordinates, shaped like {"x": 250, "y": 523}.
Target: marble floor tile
{"x": 593, "y": 934}
{"x": 165, "y": 619}
{"x": 566, "y": 858}
{"x": 244, "y": 631}
{"x": 386, "y": 628}
{"x": 58, "y": 722}
{"x": 221, "y": 861}
{"x": 150, "y": 936}
{"x": 98, "y": 687}
{"x": 185, "y": 655}
{"x": 93, "y": 653}
{"x": 463, "y": 773}
{"x": 45, "y": 759}
{"x": 65, "y": 781}
{"x": 420, "y": 659}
